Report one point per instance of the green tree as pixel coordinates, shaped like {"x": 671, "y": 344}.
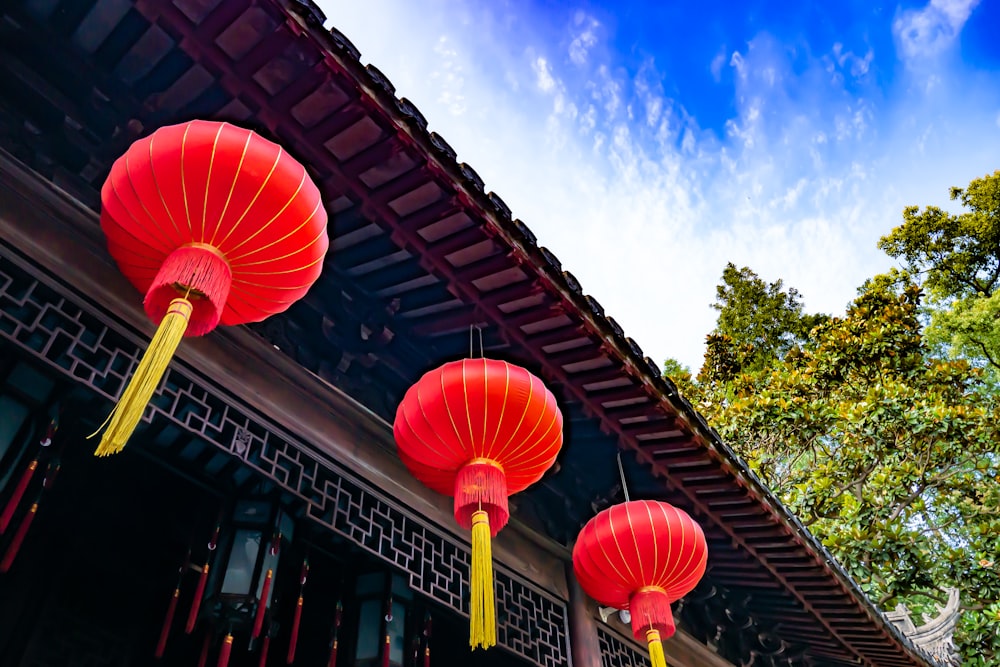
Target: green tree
{"x": 957, "y": 259}
{"x": 764, "y": 317}
{"x": 676, "y": 371}
{"x": 885, "y": 451}
{"x": 758, "y": 323}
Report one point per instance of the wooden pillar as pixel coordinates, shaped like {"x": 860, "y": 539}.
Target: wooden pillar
{"x": 584, "y": 647}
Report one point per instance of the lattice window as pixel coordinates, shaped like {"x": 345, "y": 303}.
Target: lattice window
{"x": 616, "y": 652}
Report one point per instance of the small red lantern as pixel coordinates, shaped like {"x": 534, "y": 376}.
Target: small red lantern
{"x": 479, "y": 430}
{"x": 641, "y": 556}
{"x": 215, "y": 225}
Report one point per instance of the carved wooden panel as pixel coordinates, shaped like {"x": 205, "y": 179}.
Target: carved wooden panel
{"x": 618, "y": 653}
{"x": 49, "y": 323}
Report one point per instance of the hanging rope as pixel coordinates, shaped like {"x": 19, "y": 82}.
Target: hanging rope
{"x": 472, "y": 346}
{"x": 621, "y": 471}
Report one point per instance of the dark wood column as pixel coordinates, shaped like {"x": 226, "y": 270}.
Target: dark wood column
{"x": 584, "y": 646}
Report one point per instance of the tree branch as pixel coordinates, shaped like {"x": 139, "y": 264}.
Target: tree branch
{"x": 986, "y": 353}
{"x": 906, "y": 502}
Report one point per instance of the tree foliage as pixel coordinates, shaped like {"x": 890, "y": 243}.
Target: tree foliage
{"x": 758, "y": 322}
{"x": 884, "y": 447}
{"x": 957, "y": 259}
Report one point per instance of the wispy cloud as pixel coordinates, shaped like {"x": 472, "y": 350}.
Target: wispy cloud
{"x": 644, "y": 204}
{"x": 927, "y": 32}
{"x": 718, "y": 62}
{"x": 543, "y": 74}
{"x": 449, "y": 78}
{"x": 585, "y": 37}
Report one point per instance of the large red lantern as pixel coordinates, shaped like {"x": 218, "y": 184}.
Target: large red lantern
{"x": 479, "y": 430}
{"x": 641, "y": 556}
{"x": 215, "y": 225}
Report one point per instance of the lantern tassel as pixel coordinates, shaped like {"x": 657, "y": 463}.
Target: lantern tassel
{"x": 15, "y": 544}
{"x": 225, "y": 651}
{"x": 199, "y": 592}
{"x": 125, "y": 416}
{"x": 168, "y": 620}
{"x": 258, "y": 622}
{"x": 427, "y": 639}
{"x": 265, "y": 648}
{"x": 206, "y": 644}
{"x": 482, "y": 609}
{"x": 293, "y": 641}
{"x": 333, "y": 653}
{"x": 15, "y": 498}
{"x": 656, "y": 656}
{"x": 332, "y": 662}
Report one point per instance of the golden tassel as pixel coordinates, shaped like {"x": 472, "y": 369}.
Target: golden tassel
{"x": 128, "y": 411}
{"x": 656, "y": 657}
{"x": 482, "y": 611}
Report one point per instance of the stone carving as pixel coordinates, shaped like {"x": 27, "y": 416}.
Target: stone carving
{"x": 935, "y": 636}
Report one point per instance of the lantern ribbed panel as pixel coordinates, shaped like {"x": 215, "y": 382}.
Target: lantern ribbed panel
{"x": 493, "y": 417}
{"x": 222, "y": 188}
{"x": 479, "y": 430}
{"x": 641, "y": 555}
{"x": 215, "y": 225}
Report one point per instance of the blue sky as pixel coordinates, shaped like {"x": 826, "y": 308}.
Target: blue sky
{"x": 647, "y": 143}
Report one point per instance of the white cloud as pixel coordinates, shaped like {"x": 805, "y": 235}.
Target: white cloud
{"x": 858, "y": 66}
{"x": 716, "y": 66}
{"x": 645, "y": 212}
{"x": 736, "y": 62}
{"x": 543, "y": 75}
{"x": 585, "y": 38}
{"x": 606, "y": 91}
{"x": 450, "y": 76}
{"x": 927, "y": 32}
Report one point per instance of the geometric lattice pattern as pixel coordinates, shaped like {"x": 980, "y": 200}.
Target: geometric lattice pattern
{"x": 615, "y": 652}
{"x": 49, "y": 323}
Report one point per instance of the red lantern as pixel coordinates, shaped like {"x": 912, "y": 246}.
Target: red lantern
{"x": 215, "y": 225}
{"x": 479, "y": 430}
{"x": 641, "y": 556}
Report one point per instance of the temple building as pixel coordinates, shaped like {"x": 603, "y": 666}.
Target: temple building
{"x": 269, "y": 447}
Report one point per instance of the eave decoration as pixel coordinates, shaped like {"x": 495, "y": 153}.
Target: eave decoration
{"x": 641, "y": 555}
{"x": 215, "y": 225}
{"x": 479, "y": 430}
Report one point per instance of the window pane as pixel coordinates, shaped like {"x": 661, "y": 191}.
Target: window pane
{"x": 369, "y": 624}
{"x": 12, "y": 416}
{"x": 397, "y": 633}
{"x": 239, "y": 570}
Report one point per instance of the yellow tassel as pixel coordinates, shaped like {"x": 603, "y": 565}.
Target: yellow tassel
{"x": 126, "y": 414}
{"x": 656, "y": 657}
{"x": 482, "y": 612}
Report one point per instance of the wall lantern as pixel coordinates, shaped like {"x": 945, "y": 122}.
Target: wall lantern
{"x": 235, "y": 588}
{"x": 385, "y": 606}
{"x": 240, "y": 588}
